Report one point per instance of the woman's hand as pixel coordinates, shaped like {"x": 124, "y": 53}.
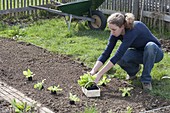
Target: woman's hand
{"x": 99, "y": 74}
{"x": 96, "y": 67}
{"x": 92, "y": 72}
{"x": 97, "y": 79}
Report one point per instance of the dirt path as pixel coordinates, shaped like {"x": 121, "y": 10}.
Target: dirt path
{"x": 59, "y": 69}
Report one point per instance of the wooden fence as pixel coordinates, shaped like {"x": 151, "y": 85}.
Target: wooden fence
{"x": 141, "y": 8}
{"x": 16, "y": 6}
{"x": 155, "y": 13}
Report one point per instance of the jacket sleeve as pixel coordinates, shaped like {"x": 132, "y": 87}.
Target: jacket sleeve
{"x": 108, "y": 50}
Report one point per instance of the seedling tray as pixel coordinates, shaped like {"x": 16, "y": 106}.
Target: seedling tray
{"x": 91, "y": 93}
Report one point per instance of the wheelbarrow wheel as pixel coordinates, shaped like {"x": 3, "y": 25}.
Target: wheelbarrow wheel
{"x": 100, "y": 21}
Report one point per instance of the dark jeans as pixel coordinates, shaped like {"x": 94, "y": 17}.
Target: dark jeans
{"x": 133, "y": 58}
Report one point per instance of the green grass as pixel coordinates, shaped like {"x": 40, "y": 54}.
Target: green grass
{"x": 81, "y": 44}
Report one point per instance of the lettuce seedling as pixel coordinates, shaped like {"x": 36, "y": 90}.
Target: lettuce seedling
{"x": 86, "y": 80}
{"x": 104, "y": 81}
{"x": 20, "y": 107}
{"x": 54, "y": 89}
{"x": 126, "y": 91}
{"x": 39, "y": 85}
{"x": 129, "y": 109}
{"x": 28, "y": 74}
{"x": 73, "y": 98}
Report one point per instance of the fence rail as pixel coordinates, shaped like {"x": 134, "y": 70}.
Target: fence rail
{"x": 15, "y": 6}
{"x": 155, "y": 13}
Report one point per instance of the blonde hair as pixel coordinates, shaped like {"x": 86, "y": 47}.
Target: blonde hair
{"x": 120, "y": 19}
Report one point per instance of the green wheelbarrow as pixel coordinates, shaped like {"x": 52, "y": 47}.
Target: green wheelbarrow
{"x": 82, "y": 10}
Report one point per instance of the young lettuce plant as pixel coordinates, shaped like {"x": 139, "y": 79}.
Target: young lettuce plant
{"x": 104, "y": 81}
{"x": 129, "y": 109}
{"x": 28, "y": 74}
{"x": 73, "y": 98}
{"x": 126, "y": 91}
{"x": 39, "y": 85}
{"x": 87, "y": 80}
{"x": 54, "y": 89}
{"x": 20, "y": 107}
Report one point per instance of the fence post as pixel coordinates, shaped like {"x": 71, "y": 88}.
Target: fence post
{"x": 135, "y": 8}
{"x": 0, "y": 5}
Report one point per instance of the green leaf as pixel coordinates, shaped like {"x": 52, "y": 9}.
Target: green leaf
{"x": 86, "y": 80}
{"x": 126, "y": 91}
{"x": 104, "y": 80}
{"x": 54, "y": 88}
{"x": 20, "y": 106}
{"x": 73, "y": 97}
{"x": 39, "y": 85}
{"x": 28, "y": 73}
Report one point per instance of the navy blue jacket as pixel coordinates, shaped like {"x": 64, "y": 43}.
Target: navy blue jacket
{"x": 135, "y": 38}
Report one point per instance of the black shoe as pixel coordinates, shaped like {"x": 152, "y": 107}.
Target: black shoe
{"x": 147, "y": 86}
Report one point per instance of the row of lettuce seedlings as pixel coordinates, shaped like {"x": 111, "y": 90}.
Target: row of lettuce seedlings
{"x": 86, "y": 81}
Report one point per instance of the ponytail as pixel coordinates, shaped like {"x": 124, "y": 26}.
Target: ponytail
{"x": 129, "y": 19}
{"x": 120, "y": 19}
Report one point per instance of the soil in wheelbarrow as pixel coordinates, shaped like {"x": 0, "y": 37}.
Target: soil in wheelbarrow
{"x": 15, "y": 57}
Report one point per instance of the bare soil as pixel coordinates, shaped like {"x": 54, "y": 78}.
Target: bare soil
{"x": 16, "y": 57}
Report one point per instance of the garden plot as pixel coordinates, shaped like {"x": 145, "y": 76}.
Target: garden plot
{"x": 17, "y": 57}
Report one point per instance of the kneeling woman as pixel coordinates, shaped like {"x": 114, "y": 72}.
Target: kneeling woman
{"x": 139, "y": 46}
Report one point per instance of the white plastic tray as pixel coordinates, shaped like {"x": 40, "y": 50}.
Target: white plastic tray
{"x": 91, "y": 93}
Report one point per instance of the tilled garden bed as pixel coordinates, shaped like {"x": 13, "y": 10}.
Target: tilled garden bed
{"x": 15, "y": 57}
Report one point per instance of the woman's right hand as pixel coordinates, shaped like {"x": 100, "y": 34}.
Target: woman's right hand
{"x": 96, "y": 67}
{"x": 92, "y": 72}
